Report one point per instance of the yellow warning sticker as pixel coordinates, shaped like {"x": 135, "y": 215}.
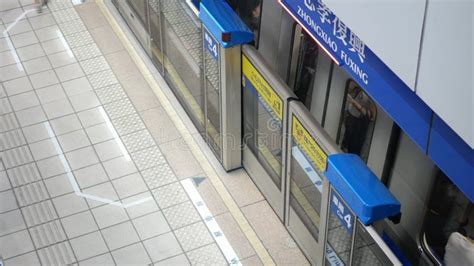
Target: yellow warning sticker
{"x": 309, "y": 144}
{"x": 268, "y": 94}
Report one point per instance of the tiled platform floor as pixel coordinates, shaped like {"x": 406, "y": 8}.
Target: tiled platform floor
{"x": 92, "y": 168}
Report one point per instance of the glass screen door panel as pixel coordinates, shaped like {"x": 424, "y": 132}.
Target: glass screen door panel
{"x": 306, "y": 189}
{"x": 263, "y": 133}
{"x": 265, "y": 116}
{"x": 367, "y": 251}
{"x": 156, "y": 44}
{"x": 182, "y": 46}
{"x": 212, "y": 90}
{"x": 141, "y": 9}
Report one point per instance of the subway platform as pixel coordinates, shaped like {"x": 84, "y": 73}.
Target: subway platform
{"x": 99, "y": 164}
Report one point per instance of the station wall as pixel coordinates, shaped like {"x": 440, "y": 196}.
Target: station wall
{"x": 428, "y": 44}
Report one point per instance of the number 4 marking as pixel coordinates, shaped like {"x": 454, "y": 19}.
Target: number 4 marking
{"x": 347, "y": 218}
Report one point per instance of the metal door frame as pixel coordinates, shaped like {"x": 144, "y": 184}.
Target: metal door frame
{"x": 230, "y": 98}
{"x": 274, "y": 195}
{"x": 295, "y": 226}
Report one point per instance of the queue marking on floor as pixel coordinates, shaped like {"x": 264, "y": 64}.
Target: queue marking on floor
{"x": 234, "y": 209}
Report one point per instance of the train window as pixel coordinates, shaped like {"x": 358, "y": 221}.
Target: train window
{"x": 357, "y": 121}
{"x": 250, "y": 11}
{"x": 448, "y": 229}
{"x": 306, "y": 68}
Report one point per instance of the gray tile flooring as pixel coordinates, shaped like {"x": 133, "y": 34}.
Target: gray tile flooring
{"x": 81, "y": 178}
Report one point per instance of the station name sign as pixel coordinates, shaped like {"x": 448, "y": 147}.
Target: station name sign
{"x": 366, "y": 68}
{"x": 339, "y": 41}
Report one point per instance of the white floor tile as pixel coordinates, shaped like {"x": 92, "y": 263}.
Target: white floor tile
{"x": 110, "y": 149}
{"x": 88, "y": 246}
{"x": 48, "y": 33}
{"x": 90, "y": 175}
{"x": 151, "y": 225}
{"x": 24, "y": 39}
{"x": 74, "y": 140}
{"x": 59, "y": 185}
{"x": 134, "y": 254}
{"x": 69, "y": 204}
{"x": 44, "y": 79}
{"x": 120, "y": 235}
{"x": 30, "y": 52}
{"x": 82, "y": 158}
{"x": 68, "y": 72}
{"x": 37, "y": 65}
{"x": 77, "y": 86}
{"x": 45, "y": 149}
{"x": 129, "y": 185}
{"x": 24, "y": 100}
{"x": 58, "y": 108}
{"x": 17, "y": 86}
{"x": 108, "y": 215}
{"x": 65, "y": 124}
{"x": 16, "y": 244}
{"x": 79, "y": 224}
{"x": 62, "y": 59}
{"x": 51, "y": 94}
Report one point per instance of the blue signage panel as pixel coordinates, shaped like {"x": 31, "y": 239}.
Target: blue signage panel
{"x": 350, "y": 52}
{"x": 211, "y": 44}
{"x": 340, "y": 209}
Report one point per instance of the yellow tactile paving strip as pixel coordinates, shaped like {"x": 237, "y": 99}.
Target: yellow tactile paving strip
{"x": 208, "y": 169}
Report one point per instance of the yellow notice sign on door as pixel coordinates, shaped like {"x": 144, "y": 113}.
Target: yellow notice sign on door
{"x": 308, "y": 144}
{"x": 269, "y": 95}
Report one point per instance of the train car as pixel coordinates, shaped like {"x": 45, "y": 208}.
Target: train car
{"x": 307, "y": 94}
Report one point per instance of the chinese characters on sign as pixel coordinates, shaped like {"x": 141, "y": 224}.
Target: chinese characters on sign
{"x": 332, "y": 33}
{"x": 342, "y": 212}
{"x": 339, "y": 28}
{"x": 316, "y": 155}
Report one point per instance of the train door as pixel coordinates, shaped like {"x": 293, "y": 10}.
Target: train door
{"x": 347, "y": 113}
{"x": 265, "y": 118}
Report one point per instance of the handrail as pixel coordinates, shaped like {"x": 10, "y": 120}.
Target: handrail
{"x": 425, "y": 248}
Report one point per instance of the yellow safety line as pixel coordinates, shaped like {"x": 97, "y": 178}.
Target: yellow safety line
{"x": 208, "y": 169}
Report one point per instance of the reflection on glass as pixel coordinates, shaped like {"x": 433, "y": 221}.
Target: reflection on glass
{"x": 306, "y": 69}
{"x": 182, "y": 41}
{"x": 339, "y": 241}
{"x": 366, "y": 251}
{"x": 250, "y": 12}
{"x": 213, "y": 121}
{"x": 359, "y": 117}
{"x": 306, "y": 187}
{"x": 140, "y": 8}
{"x": 449, "y": 223}
{"x": 155, "y": 33}
{"x": 263, "y": 133}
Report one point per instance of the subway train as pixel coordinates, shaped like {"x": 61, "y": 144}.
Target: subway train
{"x": 272, "y": 97}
